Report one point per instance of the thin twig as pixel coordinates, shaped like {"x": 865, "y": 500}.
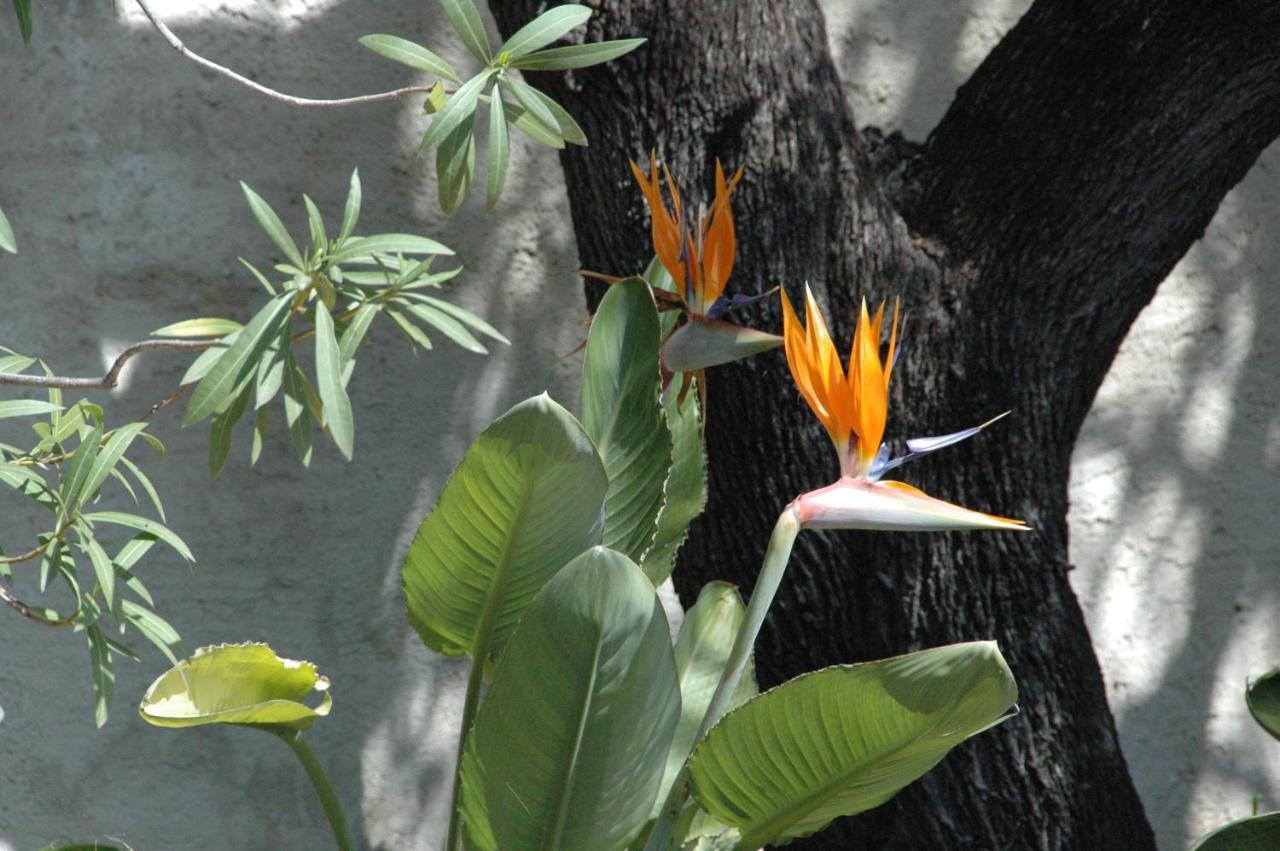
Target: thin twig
{"x": 176, "y": 44}
{"x": 108, "y": 381}
{"x": 28, "y": 612}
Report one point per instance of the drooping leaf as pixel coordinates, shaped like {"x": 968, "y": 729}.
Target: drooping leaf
{"x": 576, "y": 55}
{"x": 447, "y": 325}
{"x": 461, "y": 106}
{"x": 351, "y": 209}
{"x": 571, "y": 738}
{"x": 222, "y": 427}
{"x": 354, "y": 333}
{"x": 527, "y": 96}
{"x": 201, "y": 327}
{"x": 104, "y": 677}
{"x": 230, "y": 370}
{"x": 622, "y": 412}
{"x": 333, "y": 392}
{"x": 569, "y": 128}
{"x": 465, "y": 18}
{"x": 236, "y": 684}
{"x": 702, "y": 651}
{"x": 26, "y": 408}
{"x": 296, "y": 413}
{"x": 408, "y": 53}
{"x": 154, "y": 628}
{"x": 455, "y": 165}
{"x": 143, "y": 524}
{"x": 685, "y": 490}
{"x": 1263, "y": 697}
{"x": 544, "y": 29}
{"x": 526, "y": 499}
{"x": 270, "y": 372}
{"x": 108, "y": 457}
{"x": 271, "y": 223}
{"x": 1256, "y": 833}
{"x": 499, "y": 152}
{"x": 845, "y": 739}
{"x": 466, "y": 317}
{"x": 524, "y": 121}
{"x": 363, "y": 248}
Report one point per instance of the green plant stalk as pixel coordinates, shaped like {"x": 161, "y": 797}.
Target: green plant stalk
{"x": 776, "y": 558}
{"x": 469, "y": 705}
{"x": 320, "y": 781}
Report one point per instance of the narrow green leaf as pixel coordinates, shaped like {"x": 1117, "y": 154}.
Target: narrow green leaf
{"x": 569, "y": 128}
{"x": 206, "y": 360}
{"x": 408, "y": 53}
{"x": 354, "y": 333}
{"x": 222, "y": 427}
{"x": 351, "y": 209}
{"x": 337, "y": 407}
{"x": 315, "y": 224}
{"x": 271, "y": 223}
{"x": 413, "y": 332}
{"x": 295, "y": 410}
{"x": 1255, "y": 833}
{"x": 362, "y": 249}
{"x": 465, "y": 18}
{"x": 105, "y": 573}
{"x": 524, "y": 121}
{"x": 143, "y": 480}
{"x": 72, "y": 489}
{"x": 155, "y": 629}
{"x": 446, "y": 325}
{"x": 202, "y": 327}
{"x": 464, "y": 316}
{"x": 143, "y": 524}
{"x": 7, "y": 241}
{"x": 270, "y": 371}
{"x": 461, "y": 106}
{"x": 23, "y": 9}
{"x": 28, "y": 483}
{"x": 258, "y": 276}
{"x": 527, "y": 498}
{"x": 13, "y": 364}
{"x": 590, "y": 668}
{"x": 214, "y": 390}
{"x": 499, "y": 152}
{"x": 527, "y": 96}
{"x": 685, "y": 491}
{"x": 455, "y": 165}
{"x": 104, "y": 677}
{"x": 861, "y": 732}
{"x": 622, "y": 411}
{"x": 576, "y": 55}
{"x": 26, "y": 408}
{"x": 259, "y": 434}
{"x": 544, "y": 29}
{"x": 105, "y": 461}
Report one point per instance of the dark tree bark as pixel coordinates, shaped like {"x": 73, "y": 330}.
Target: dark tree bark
{"x": 1073, "y": 170}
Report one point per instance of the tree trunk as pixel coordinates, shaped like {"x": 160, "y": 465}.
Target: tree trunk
{"x": 1072, "y": 172}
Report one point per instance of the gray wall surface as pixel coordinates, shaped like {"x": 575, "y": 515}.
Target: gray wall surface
{"x": 120, "y": 176}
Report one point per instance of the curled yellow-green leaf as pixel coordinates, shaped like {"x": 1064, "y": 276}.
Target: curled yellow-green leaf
{"x": 236, "y": 684}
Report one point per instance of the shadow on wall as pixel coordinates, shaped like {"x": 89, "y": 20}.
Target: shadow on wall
{"x": 1174, "y": 477}
{"x": 120, "y": 176}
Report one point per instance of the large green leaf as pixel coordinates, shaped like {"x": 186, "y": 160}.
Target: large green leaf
{"x": 544, "y": 29}
{"x": 702, "y": 651}
{"x": 571, "y": 739}
{"x": 685, "y": 491}
{"x": 236, "y": 684}
{"x": 845, "y": 739}
{"x": 235, "y": 364}
{"x": 526, "y": 499}
{"x": 1256, "y": 833}
{"x": 1263, "y": 697}
{"x": 622, "y": 411}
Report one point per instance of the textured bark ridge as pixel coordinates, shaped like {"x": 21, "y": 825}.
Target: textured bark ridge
{"x": 1072, "y": 172}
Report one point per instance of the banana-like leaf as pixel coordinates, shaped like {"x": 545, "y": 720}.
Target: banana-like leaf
{"x": 845, "y": 739}
{"x": 236, "y": 684}
{"x": 702, "y": 651}
{"x": 1263, "y": 697}
{"x": 622, "y": 411}
{"x": 1256, "y": 833}
{"x": 570, "y": 742}
{"x": 526, "y": 499}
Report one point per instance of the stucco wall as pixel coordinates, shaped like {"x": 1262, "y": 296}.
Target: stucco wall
{"x": 119, "y": 173}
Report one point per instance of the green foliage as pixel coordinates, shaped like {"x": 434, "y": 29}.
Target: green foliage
{"x": 66, "y": 473}
{"x": 1255, "y": 833}
{"x": 845, "y": 739}
{"x": 340, "y": 285}
{"x": 528, "y": 497}
{"x": 1263, "y": 698}
{"x": 237, "y": 684}
{"x": 570, "y": 742}
{"x": 7, "y": 241}
{"x": 22, "y": 8}
{"x": 452, "y": 130}
{"x": 622, "y": 411}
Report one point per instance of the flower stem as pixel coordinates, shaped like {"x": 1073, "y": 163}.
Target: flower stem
{"x": 324, "y": 789}
{"x": 772, "y": 570}
{"x": 469, "y": 705}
